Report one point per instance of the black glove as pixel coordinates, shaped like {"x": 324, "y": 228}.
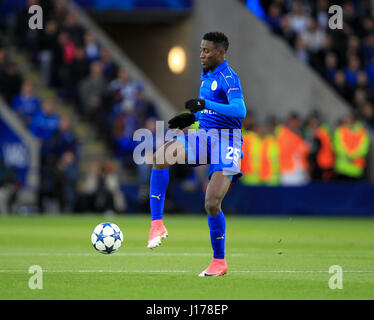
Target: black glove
{"x": 195, "y": 105}
{"x": 182, "y": 121}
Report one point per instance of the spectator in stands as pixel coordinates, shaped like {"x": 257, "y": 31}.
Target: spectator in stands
{"x": 368, "y": 47}
{"x": 123, "y": 85}
{"x": 363, "y": 84}
{"x": 350, "y": 16}
{"x": 67, "y": 176}
{"x": 71, "y": 76}
{"x": 102, "y": 189}
{"x": 367, "y": 27}
{"x": 49, "y": 53}
{"x": 126, "y": 113}
{"x": 110, "y": 68}
{"x": 367, "y": 111}
{"x": 352, "y": 70}
{"x": 48, "y": 193}
{"x": 274, "y": 18}
{"x": 8, "y": 187}
{"x": 10, "y": 82}
{"x": 354, "y": 48}
{"x": 321, "y": 14}
{"x": 359, "y": 98}
{"x": 287, "y": 31}
{"x": 143, "y": 106}
{"x": 313, "y": 36}
{"x": 74, "y": 29}
{"x": 26, "y": 104}
{"x": 341, "y": 85}
{"x": 21, "y": 25}
{"x": 298, "y": 19}
{"x": 318, "y": 59}
{"x": 67, "y": 47}
{"x": 60, "y": 12}
{"x": 91, "y": 90}
{"x": 124, "y": 127}
{"x": 301, "y": 49}
{"x": 63, "y": 140}
{"x": 92, "y": 47}
{"x": 45, "y": 123}
{"x": 32, "y": 43}
{"x": 331, "y": 65}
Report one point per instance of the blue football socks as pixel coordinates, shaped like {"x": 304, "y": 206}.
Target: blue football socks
{"x": 158, "y": 187}
{"x": 217, "y": 227}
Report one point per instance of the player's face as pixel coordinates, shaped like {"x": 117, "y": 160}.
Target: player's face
{"x": 210, "y": 55}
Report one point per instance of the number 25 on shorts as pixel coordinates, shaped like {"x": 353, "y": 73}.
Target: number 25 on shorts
{"x": 233, "y": 154}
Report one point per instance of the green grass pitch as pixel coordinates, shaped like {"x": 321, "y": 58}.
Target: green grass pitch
{"x": 268, "y": 258}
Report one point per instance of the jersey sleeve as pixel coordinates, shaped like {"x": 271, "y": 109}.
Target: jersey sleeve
{"x": 231, "y": 86}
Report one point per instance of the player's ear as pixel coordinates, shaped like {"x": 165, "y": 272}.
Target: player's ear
{"x": 221, "y": 51}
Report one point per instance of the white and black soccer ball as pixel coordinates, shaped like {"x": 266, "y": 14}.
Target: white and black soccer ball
{"x": 107, "y": 237}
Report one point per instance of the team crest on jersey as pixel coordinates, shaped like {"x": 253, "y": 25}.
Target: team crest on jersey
{"x": 214, "y": 85}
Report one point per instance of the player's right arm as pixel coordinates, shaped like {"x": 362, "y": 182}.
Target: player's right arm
{"x": 235, "y": 108}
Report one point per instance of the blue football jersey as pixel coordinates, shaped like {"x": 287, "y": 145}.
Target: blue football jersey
{"x": 221, "y": 86}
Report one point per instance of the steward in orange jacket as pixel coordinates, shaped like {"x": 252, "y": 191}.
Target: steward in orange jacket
{"x": 293, "y": 153}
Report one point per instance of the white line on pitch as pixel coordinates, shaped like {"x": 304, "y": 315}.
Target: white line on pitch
{"x": 300, "y": 271}
{"x": 187, "y": 271}
{"x": 101, "y": 271}
{"x": 127, "y": 254}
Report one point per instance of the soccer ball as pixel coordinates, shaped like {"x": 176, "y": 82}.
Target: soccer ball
{"x": 107, "y": 237}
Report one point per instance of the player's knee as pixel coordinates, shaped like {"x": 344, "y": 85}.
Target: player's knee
{"x": 164, "y": 157}
{"x": 212, "y": 206}
{"x": 157, "y": 161}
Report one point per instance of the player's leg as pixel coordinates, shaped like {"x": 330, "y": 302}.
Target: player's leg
{"x": 216, "y": 191}
{"x": 158, "y": 186}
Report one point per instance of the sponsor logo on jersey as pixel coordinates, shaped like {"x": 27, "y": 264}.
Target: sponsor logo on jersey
{"x": 228, "y": 91}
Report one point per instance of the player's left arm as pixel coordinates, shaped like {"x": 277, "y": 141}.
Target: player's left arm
{"x": 236, "y": 108}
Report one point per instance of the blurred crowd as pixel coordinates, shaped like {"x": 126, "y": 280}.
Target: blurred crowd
{"x": 344, "y": 57}
{"x": 298, "y": 151}
{"x": 82, "y": 73}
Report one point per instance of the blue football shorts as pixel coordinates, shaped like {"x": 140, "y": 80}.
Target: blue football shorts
{"x": 221, "y": 149}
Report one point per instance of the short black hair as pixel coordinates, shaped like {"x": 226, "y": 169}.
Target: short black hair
{"x": 218, "y": 38}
